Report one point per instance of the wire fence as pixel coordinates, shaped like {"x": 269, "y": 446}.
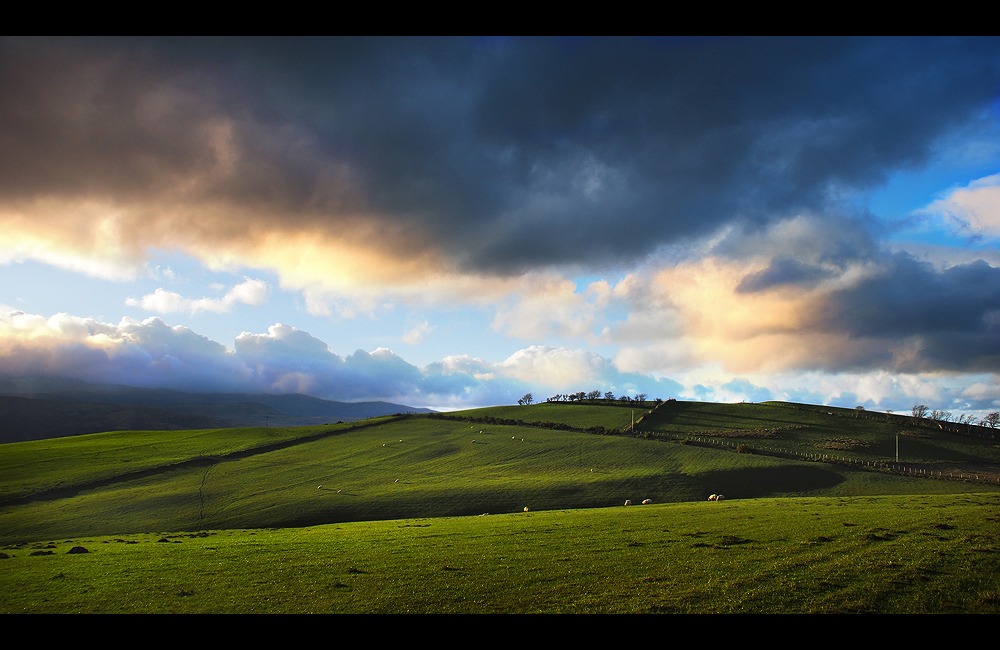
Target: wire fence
{"x": 903, "y": 469}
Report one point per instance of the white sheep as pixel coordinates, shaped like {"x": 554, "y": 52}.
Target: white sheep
{"x": 646, "y": 502}
{"x": 720, "y": 497}
{"x": 713, "y": 497}
{"x": 628, "y": 502}
{"x": 526, "y": 508}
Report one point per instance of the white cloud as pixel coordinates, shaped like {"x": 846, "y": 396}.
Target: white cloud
{"x": 551, "y": 305}
{"x": 418, "y": 333}
{"x": 251, "y": 292}
{"x": 975, "y": 207}
{"x": 557, "y": 367}
{"x": 161, "y": 301}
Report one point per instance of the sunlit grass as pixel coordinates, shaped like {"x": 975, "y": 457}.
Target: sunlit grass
{"x": 916, "y": 554}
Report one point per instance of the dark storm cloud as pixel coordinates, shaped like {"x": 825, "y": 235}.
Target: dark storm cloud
{"x": 782, "y": 271}
{"x": 508, "y": 154}
{"x": 930, "y": 319}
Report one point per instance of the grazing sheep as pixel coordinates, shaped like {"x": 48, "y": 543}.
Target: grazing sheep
{"x": 720, "y": 497}
{"x": 526, "y": 508}
{"x": 319, "y": 487}
{"x": 628, "y": 502}
{"x": 713, "y": 497}
{"x": 646, "y": 502}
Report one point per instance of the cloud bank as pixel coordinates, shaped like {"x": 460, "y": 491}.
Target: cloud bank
{"x": 154, "y": 354}
{"x": 430, "y": 166}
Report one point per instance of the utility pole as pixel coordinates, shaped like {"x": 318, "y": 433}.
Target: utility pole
{"x": 897, "y": 446}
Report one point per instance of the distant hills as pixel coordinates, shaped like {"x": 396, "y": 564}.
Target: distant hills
{"x": 37, "y": 408}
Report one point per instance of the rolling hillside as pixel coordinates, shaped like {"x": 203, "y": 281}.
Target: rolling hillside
{"x": 454, "y": 464}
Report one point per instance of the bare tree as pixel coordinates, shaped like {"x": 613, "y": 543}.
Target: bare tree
{"x": 992, "y": 419}
{"x": 526, "y": 400}
{"x": 609, "y": 395}
{"x": 919, "y": 412}
{"x": 857, "y": 410}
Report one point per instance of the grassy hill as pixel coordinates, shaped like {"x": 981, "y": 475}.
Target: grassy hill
{"x": 421, "y": 466}
{"x": 546, "y": 457}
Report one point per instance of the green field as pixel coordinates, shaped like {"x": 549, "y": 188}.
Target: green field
{"x": 380, "y": 516}
{"x": 922, "y": 554}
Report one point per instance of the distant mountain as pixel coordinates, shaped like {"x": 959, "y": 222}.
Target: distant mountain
{"x": 26, "y": 418}
{"x": 35, "y": 408}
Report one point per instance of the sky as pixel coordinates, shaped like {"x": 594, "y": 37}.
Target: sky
{"x": 458, "y": 222}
